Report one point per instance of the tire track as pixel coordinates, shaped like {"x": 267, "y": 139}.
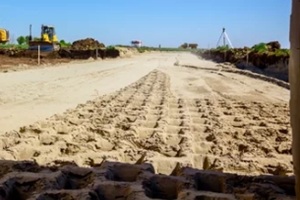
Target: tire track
{"x": 145, "y": 122}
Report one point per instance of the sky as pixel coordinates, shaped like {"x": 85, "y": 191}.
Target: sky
{"x": 168, "y": 23}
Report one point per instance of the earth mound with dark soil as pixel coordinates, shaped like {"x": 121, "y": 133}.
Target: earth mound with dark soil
{"x": 274, "y": 45}
{"x": 87, "y": 44}
{"x": 80, "y": 49}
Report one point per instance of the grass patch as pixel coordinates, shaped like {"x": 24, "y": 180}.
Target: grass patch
{"x": 260, "y": 48}
{"x": 110, "y": 48}
{"x": 13, "y": 46}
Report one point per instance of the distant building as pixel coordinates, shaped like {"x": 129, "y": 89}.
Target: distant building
{"x": 136, "y": 43}
{"x": 193, "y": 45}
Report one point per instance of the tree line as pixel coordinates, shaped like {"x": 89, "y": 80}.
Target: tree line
{"x": 190, "y": 45}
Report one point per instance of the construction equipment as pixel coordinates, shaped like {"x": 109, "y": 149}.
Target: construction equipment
{"x": 225, "y": 37}
{"x": 4, "y": 36}
{"x": 48, "y": 41}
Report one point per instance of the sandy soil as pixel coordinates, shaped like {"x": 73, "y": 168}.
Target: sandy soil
{"x": 30, "y": 95}
{"x": 146, "y": 108}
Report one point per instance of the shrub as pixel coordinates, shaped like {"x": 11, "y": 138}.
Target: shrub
{"x": 260, "y": 48}
{"x": 223, "y": 48}
{"x": 21, "y": 40}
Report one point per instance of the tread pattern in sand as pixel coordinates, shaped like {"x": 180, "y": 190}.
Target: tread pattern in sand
{"x": 112, "y": 180}
{"x": 145, "y": 122}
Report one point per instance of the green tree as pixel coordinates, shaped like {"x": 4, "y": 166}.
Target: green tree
{"x": 27, "y": 39}
{"x": 260, "y": 48}
{"x": 184, "y": 46}
{"x": 63, "y": 43}
{"x": 21, "y": 40}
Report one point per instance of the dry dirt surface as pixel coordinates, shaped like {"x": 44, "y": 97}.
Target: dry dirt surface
{"x": 9, "y": 64}
{"x": 151, "y": 111}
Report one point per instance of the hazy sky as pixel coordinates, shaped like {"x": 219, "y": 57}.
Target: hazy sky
{"x": 166, "y": 22}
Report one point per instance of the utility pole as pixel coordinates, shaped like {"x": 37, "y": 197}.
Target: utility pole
{"x": 30, "y": 33}
{"x": 294, "y": 79}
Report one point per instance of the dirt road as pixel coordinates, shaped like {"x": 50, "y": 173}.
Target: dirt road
{"x": 141, "y": 110}
{"x": 27, "y": 96}
{"x": 152, "y": 110}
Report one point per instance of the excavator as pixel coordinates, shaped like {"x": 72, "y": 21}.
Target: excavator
{"x": 48, "y": 41}
{"x": 4, "y": 36}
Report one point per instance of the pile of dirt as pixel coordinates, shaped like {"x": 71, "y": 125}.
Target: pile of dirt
{"x": 87, "y": 44}
{"x": 274, "y": 45}
{"x": 87, "y": 48}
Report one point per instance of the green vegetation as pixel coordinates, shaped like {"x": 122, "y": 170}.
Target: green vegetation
{"x": 21, "y": 40}
{"x": 260, "y": 48}
{"x": 110, "y": 47}
{"x": 263, "y": 48}
{"x": 23, "y": 43}
{"x": 281, "y": 52}
{"x": 13, "y": 46}
{"x": 64, "y": 44}
{"x": 223, "y": 48}
{"x": 269, "y": 49}
{"x": 141, "y": 50}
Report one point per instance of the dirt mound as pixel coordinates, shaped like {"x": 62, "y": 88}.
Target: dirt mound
{"x": 87, "y": 44}
{"x": 113, "y": 180}
{"x": 274, "y": 45}
{"x": 86, "y": 48}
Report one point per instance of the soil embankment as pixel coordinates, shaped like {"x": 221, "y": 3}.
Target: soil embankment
{"x": 15, "y": 59}
{"x": 268, "y": 59}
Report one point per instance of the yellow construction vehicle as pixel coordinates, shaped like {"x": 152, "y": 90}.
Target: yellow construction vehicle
{"x": 48, "y": 41}
{"x": 4, "y": 36}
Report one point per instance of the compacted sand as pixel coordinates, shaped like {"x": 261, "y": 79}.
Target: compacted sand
{"x": 147, "y": 109}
